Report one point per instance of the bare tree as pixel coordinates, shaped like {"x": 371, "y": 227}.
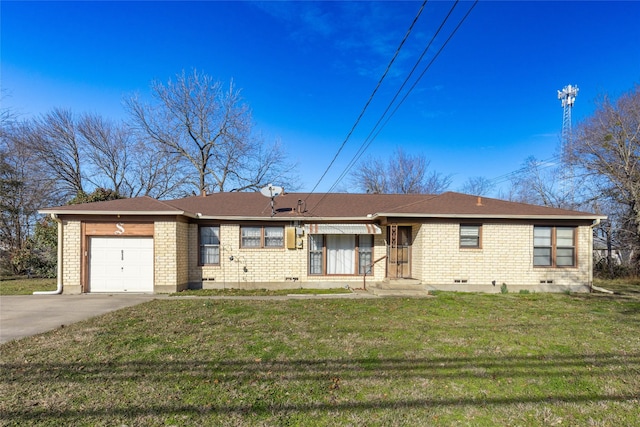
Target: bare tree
{"x": 24, "y": 188}
{"x": 607, "y": 145}
{"x": 538, "y": 183}
{"x": 210, "y": 128}
{"x": 402, "y": 174}
{"x": 118, "y": 161}
{"x": 478, "y": 186}
{"x": 54, "y": 138}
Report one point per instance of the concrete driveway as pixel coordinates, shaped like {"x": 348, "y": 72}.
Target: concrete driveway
{"x": 26, "y": 315}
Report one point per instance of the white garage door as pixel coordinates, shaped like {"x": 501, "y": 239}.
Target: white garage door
{"x": 121, "y": 264}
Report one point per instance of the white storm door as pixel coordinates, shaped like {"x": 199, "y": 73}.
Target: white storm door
{"x": 121, "y": 264}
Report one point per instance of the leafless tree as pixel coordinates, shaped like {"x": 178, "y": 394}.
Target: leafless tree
{"x": 478, "y": 186}
{"x": 54, "y": 138}
{"x": 24, "y": 188}
{"x": 210, "y": 128}
{"x": 402, "y": 174}
{"x": 538, "y": 183}
{"x": 119, "y": 161}
{"x": 607, "y": 145}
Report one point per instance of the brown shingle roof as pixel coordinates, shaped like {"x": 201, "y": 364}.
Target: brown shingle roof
{"x": 135, "y": 205}
{"x": 327, "y": 206}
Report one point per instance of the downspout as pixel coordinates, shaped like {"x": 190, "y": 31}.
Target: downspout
{"x": 594, "y": 224}
{"x": 58, "y": 290}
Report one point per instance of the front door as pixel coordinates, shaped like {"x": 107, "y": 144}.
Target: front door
{"x": 399, "y": 252}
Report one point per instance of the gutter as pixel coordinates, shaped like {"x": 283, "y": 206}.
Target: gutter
{"x": 58, "y": 290}
{"x": 594, "y": 224}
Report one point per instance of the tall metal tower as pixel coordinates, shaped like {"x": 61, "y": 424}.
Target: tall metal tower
{"x": 568, "y": 97}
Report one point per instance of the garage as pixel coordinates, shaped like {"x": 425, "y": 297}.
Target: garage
{"x": 120, "y": 264}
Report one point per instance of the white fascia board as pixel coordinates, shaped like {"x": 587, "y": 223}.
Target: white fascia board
{"x": 480, "y": 216}
{"x": 89, "y": 212}
{"x": 276, "y": 218}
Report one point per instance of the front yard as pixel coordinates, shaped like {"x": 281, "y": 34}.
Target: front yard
{"x": 456, "y": 359}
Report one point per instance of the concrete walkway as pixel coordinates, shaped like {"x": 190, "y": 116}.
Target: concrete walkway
{"x": 26, "y": 315}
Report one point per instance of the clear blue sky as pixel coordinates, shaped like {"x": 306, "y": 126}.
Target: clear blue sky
{"x": 306, "y": 69}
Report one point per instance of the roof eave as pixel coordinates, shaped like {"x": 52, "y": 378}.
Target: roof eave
{"x": 112, "y": 212}
{"x": 491, "y": 216}
{"x": 277, "y": 218}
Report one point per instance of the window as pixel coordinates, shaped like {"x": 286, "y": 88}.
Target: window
{"x": 469, "y": 236}
{"x": 274, "y": 237}
{"x": 262, "y": 237}
{"x": 554, "y": 246}
{"x": 339, "y": 253}
{"x": 209, "y": 237}
{"x": 365, "y": 253}
{"x": 316, "y": 245}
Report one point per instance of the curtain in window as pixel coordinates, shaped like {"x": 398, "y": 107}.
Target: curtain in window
{"x": 365, "y": 247}
{"x": 315, "y": 253}
{"x": 274, "y": 236}
{"x": 251, "y": 237}
{"x": 340, "y": 254}
{"x": 209, "y": 245}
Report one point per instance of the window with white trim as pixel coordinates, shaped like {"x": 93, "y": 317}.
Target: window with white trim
{"x": 209, "y": 241}
{"x": 554, "y": 246}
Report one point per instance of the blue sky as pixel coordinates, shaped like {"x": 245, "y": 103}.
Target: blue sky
{"x": 306, "y": 69}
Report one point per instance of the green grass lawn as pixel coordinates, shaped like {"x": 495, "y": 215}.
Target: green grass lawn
{"x": 455, "y": 359}
{"x": 24, "y": 286}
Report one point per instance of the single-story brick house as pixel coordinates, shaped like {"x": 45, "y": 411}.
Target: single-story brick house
{"x": 450, "y": 241}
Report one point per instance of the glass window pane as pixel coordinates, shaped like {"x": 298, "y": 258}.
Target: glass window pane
{"x": 210, "y": 235}
{"x": 315, "y": 253}
{"x": 251, "y": 237}
{"x": 209, "y": 245}
{"x": 210, "y": 255}
{"x": 541, "y": 236}
{"x": 315, "y": 242}
{"x": 564, "y": 237}
{"x": 541, "y": 256}
{"x": 470, "y": 235}
{"x": 365, "y": 252}
{"x": 274, "y": 236}
{"x": 341, "y": 254}
{"x": 564, "y": 257}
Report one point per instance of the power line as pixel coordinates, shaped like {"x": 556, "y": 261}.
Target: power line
{"x": 369, "y": 140}
{"x": 406, "y": 36}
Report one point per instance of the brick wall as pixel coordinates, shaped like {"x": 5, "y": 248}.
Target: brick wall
{"x": 171, "y": 258}
{"x": 266, "y": 268}
{"x": 72, "y": 257}
{"x": 506, "y": 257}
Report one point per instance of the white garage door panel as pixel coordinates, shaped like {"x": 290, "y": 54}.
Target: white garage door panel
{"x": 121, "y": 264}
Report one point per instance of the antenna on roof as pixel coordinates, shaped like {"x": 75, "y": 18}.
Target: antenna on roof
{"x": 271, "y": 191}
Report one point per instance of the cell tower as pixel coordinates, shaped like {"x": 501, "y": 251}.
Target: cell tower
{"x": 568, "y": 97}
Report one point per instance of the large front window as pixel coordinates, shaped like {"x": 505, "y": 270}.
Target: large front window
{"x": 554, "y": 246}
{"x": 331, "y": 254}
{"x": 209, "y": 237}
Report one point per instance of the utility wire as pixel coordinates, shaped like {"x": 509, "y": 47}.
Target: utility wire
{"x": 406, "y": 36}
{"x": 366, "y": 144}
{"x": 369, "y": 139}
